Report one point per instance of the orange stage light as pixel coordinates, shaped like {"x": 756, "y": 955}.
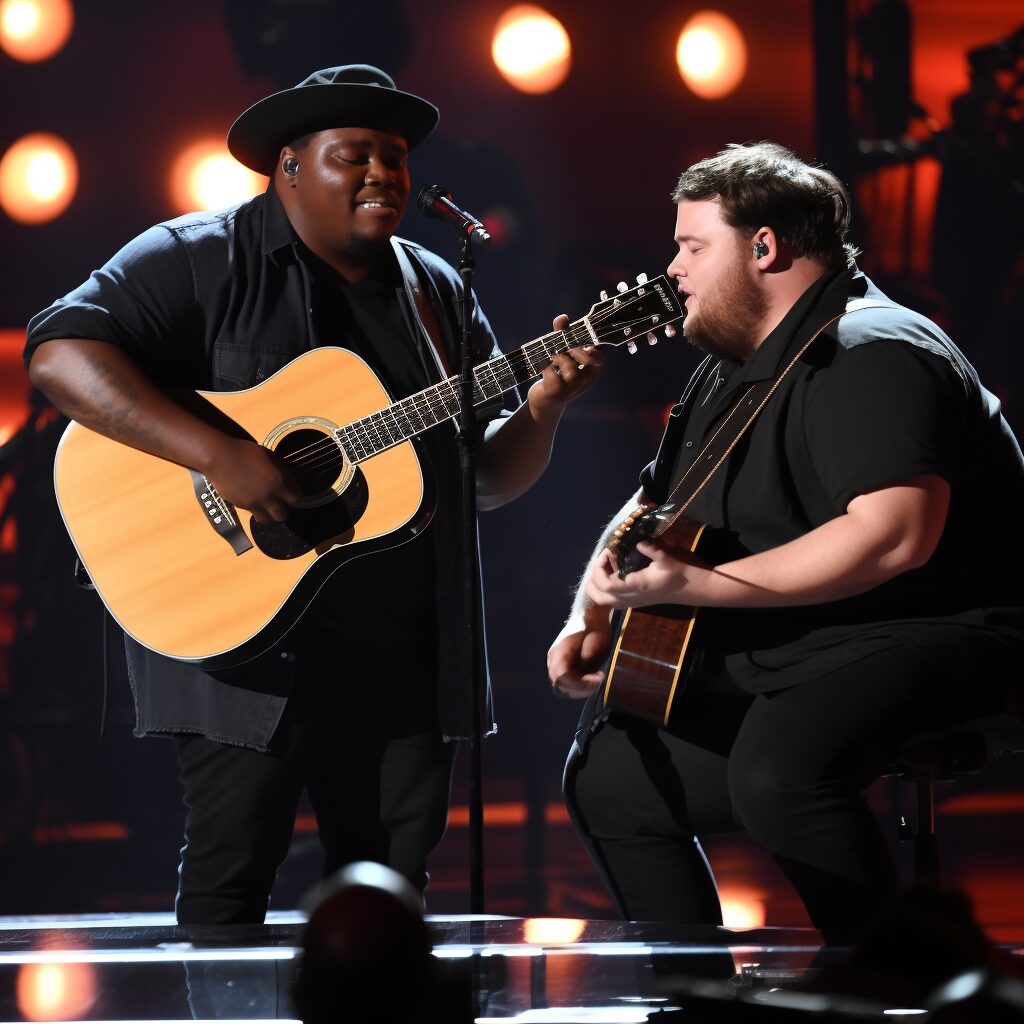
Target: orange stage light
{"x": 33, "y": 30}
{"x": 531, "y": 49}
{"x": 207, "y": 177}
{"x": 552, "y": 931}
{"x": 56, "y": 991}
{"x": 741, "y": 908}
{"x": 711, "y": 55}
{"x": 38, "y": 178}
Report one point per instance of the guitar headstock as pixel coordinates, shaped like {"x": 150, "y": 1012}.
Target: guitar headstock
{"x": 631, "y": 313}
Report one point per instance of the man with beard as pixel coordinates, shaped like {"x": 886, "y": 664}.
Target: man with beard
{"x": 360, "y": 704}
{"x": 852, "y": 588}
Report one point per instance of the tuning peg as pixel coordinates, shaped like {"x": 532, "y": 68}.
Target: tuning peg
{"x": 604, "y": 296}
{"x": 631, "y": 347}
{"x": 622, "y": 287}
{"x": 670, "y": 331}
{"x": 641, "y": 279}
{"x": 652, "y": 338}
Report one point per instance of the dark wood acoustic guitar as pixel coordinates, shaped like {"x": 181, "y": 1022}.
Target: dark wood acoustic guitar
{"x": 658, "y": 648}
{"x": 659, "y": 651}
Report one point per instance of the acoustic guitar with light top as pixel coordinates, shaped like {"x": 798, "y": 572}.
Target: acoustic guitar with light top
{"x": 187, "y": 576}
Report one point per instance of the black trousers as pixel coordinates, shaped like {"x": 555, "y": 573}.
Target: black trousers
{"x": 789, "y": 767}
{"x": 380, "y": 791}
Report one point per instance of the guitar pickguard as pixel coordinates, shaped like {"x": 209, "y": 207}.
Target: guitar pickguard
{"x": 309, "y": 528}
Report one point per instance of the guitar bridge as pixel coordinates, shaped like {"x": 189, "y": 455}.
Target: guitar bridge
{"x": 220, "y": 514}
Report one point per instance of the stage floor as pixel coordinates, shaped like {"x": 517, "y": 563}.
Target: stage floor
{"x": 143, "y": 968}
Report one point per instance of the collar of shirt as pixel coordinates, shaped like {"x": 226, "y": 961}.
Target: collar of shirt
{"x": 278, "y": 233}
{"x": 824, "y": 298}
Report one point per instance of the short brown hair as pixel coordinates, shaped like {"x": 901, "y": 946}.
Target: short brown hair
{"x": 765, "y": 184}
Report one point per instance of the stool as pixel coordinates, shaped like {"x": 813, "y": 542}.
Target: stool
{"x": 946, "y": 756}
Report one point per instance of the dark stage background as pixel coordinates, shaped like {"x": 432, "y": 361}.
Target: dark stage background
{"x": 580, "y": 178}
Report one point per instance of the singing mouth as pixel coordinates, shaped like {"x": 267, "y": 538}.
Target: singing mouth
{"x": 374, "y": 204}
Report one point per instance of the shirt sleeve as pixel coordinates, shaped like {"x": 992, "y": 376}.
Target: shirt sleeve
{"x": 143, "y": 300}
{"x": 888, "y": 410}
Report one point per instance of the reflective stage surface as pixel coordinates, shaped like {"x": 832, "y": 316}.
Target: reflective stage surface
{"x": 144, "y": 968}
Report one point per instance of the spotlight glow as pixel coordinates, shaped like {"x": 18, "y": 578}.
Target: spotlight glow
{"x": 38, "y": 178}
{"x": 741, "y": 909}
{"x": 33, "y": 30}
{"x": 552, "y": 931}
{"x": 207, "y": 177}
{"x": 57, "y": 991}
{"x": 711, "y": 55}
{"x": 531, "y": 49}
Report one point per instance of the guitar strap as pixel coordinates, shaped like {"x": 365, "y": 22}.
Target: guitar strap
{"x": 426, "y": 318}
{"x": 711, "y": 458}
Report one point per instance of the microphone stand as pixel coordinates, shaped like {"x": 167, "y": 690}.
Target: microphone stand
{"x": 467, "y": 442}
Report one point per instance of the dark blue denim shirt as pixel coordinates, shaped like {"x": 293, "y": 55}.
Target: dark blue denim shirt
{"x": 220, "y": 301}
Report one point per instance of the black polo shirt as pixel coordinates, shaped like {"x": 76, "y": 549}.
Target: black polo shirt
{"x": 220, "y": 301}
{"x": 880, "y": 396}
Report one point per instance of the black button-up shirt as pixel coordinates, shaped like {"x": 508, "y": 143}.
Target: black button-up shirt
{"x": 882, "y": 395}
{"x": 221, "y": 301}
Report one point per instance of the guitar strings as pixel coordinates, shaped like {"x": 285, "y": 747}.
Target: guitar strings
{"x": 326, "y": 451}
{"x": 517, "y": 361}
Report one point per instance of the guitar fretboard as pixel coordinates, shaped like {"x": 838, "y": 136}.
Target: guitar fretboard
{"x": 381, "y": 430}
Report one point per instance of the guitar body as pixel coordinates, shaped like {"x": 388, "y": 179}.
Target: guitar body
{"x": 151, "y": 536}
{"x": 658, "y": 648}
{"x": 188, "y": 577}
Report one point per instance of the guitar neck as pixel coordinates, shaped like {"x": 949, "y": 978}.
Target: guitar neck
{"x": 390, "y": 426}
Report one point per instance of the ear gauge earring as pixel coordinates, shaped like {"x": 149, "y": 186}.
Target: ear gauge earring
{"x": 290, "y": 166}
{"x": 760, "y": 250}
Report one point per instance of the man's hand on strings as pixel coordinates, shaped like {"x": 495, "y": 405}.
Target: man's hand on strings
{"x": 667, "y": 580}
{"x": 569, "y": 376}
{"x": 252, "y": 477}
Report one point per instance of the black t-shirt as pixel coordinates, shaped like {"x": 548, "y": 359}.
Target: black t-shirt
{"x": 387, "y": 636}
{"x": 882, "y": 395}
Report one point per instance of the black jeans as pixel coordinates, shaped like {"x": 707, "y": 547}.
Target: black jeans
{"x": 380, "y": 792}
{"x": 788, "y": 767}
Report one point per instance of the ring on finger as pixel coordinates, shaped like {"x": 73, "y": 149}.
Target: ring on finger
{"x": 557, "y": 369}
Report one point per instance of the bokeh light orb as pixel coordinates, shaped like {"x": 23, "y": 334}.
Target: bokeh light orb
{"x": 711, "y": 55}
{"x": 531, "y": 49}
{"x": 56, "y": 991}
{"x": 38, "y": 178}
{"x": 207, "y": 177}
{"x": 33, "y": 30}
{"x": 741, "y": 909}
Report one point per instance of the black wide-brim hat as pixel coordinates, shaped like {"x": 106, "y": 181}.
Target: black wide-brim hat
{"x": 351, "y": 96}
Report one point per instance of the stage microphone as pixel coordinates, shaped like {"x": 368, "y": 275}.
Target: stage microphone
{"x": 436, "y": 201}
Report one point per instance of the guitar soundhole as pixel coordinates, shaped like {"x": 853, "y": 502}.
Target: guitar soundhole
{"x": 315, "y": 459}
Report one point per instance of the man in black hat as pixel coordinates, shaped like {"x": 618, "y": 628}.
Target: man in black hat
{"x": 359, "y": 702}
